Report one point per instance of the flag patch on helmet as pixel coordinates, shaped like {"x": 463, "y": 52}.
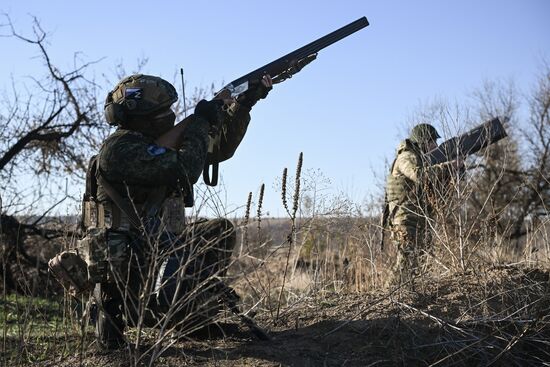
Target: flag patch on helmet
{"x": 155, "y": 150}
{"x": 133, "y": 93}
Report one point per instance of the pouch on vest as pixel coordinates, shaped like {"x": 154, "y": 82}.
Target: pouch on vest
{"x": 71, "y": 271}
{"x": 104, "y": 252}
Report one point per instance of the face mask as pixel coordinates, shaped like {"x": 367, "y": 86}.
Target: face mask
{"x": 154, "y": 126}
{"x": 163, "y": 123}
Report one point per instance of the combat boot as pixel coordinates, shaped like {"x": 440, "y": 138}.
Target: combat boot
{"x": 109, "y": 325}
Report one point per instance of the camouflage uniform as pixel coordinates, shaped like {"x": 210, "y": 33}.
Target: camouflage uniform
{"x": 408, "y": 190}
{"x": 138, "y": 169}
{"x": 135, "y": 166}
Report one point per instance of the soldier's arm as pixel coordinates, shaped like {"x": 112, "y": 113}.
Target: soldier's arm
{"x": 407, "y": 164}
{"x": 234, "y": 131}
{"x": 441, "y": 171}
{"x": 138, "y": 161}
{"x": 234, "y": 134}
{"x": 174, "y": 138}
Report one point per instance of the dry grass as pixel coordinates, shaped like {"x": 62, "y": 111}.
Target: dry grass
{"x": 317, "y": 281}
{"x": 334, "y": 308}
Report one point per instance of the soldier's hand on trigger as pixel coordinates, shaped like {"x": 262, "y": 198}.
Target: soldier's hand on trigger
{"x": 267, "y": 82}
{"x": 265, "y": 86}
{"x": 257, "y": 92}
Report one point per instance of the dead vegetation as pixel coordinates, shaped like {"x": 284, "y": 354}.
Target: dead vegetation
{"x": 315, "y": 280}
{"x": 495, "y": 316}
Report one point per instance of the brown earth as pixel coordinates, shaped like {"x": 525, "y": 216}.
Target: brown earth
{"x": 497, "y": 316}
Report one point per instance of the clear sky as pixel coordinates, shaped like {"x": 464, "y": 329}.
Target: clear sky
{"x": 345, "y": 111}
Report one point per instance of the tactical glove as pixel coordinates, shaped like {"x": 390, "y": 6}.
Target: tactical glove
{"x": 210, "y": 111}
{"x": 253, "y": 95}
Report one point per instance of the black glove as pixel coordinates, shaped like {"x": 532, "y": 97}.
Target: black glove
{"x": 211, "y": 111}
{"x": 254, "y": 94}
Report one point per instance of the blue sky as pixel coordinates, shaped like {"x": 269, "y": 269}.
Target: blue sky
{"x": 345, "y": 111}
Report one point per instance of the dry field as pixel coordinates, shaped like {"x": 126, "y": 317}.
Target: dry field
{"x": 319, "y": 290}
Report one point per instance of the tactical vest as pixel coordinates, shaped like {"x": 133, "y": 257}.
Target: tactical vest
{"x": 108, "y": 219}
{"x": 398, "y": 186}
{"x": 108, "y": 208}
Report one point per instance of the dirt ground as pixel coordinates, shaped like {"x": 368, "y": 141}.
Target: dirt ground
{"x": 498, "y": 316}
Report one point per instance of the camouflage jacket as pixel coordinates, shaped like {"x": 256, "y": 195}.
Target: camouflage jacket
{"x": 136, "y": 167}
{"x": 233, "y": 132}
{"x": 133, "y": 163}
{"x": 410, "y": 183}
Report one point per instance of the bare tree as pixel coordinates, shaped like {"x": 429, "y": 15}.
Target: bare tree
{"x": 48, "y": 126}
{"x": 504, "y": 194}
{"x": 514, "y": 180}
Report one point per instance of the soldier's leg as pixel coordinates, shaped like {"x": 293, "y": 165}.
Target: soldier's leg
{"x": 424, "y": 247}
{"x": 111, "y": 293}
{"x": 404, "y": 238}
{"x": 207, "y": 249}
{"x": 110, "y": 322}
{"x": 213, "y": 242}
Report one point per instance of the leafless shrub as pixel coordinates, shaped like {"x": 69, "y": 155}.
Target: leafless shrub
{"x": 48, "y": 127}
{"x": 468, "y": 307}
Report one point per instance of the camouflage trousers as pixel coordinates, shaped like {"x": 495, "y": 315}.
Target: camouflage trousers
{"x": 185, "y": 280}
{"x": 205, "y": 247}
{"x": 170, "y": 265}
{"x": 413, "y": 243}
{"x": 213, "y": 242}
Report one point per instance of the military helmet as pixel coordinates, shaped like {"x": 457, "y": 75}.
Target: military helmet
{"x": 138, "y": 95}
{"x": 423, "y": 133}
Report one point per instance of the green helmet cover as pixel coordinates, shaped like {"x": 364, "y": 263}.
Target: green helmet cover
{"x": 423, "y": 133}
{"x": 143, "y": 95}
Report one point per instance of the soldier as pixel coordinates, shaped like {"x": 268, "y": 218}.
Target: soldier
{"x": 136, "y": 190}
{"x": 410, "y": 207}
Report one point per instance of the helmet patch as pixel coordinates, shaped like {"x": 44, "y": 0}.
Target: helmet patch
{"x": 133, "y": 93}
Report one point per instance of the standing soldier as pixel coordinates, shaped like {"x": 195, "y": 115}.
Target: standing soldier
{"x": 409, "y": 207}
{"x": 136, "y": 190}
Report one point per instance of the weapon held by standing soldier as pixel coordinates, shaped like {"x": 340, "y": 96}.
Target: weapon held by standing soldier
{"x": 420, "y": 160}
{"x": 407, "y": 208}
